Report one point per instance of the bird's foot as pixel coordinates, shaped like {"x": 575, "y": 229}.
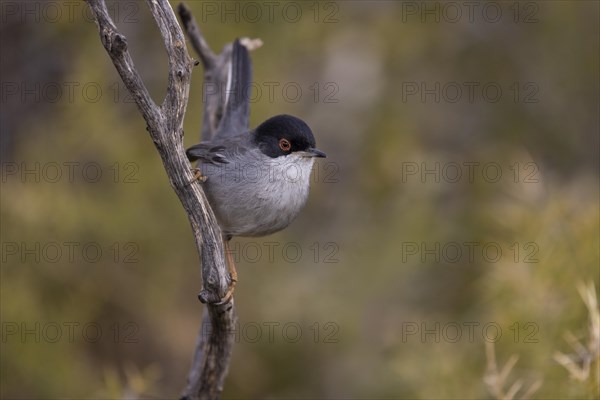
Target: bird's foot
{"x": 232, "y": 274}
{"x": 198, "y": 176}
{"x": 229, "y": 294}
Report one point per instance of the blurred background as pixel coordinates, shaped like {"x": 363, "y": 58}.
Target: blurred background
{"x": 457, "y": 207}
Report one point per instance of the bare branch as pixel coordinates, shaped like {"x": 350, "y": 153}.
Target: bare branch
{"x": 165, "y": 125}
{"x": 116, "y": 47}
{"x": 180, "y": 64}
{"x": 212, "y": 354}
{"x": 215, "y": 73}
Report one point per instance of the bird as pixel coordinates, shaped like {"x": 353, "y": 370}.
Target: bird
{"x": 256, "y": 180}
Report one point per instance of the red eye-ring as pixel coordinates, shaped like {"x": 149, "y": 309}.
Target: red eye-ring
{"x": 285, "y": 144}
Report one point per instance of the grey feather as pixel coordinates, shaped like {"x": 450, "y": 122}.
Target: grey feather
{"x": 236, "y": 116}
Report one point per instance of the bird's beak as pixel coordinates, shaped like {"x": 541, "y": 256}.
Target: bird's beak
{"x": 314, "y": 153}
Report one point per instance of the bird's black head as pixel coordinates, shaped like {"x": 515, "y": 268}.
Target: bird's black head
{"x": 284, "y": 134}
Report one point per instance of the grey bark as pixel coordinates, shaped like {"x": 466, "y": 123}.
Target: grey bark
{"x": 165, "y": 125}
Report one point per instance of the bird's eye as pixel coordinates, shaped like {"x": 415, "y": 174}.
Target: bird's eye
{"x": 285, "y": 144}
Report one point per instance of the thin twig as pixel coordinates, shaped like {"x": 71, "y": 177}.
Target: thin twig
{"x": 216, "y": 71}
{"x": 196, "y": 38}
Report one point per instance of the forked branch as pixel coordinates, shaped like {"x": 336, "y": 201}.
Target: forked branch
{"x": 165, "y": 125}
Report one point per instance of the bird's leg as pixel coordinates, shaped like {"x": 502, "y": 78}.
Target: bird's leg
{"x": 197, "y": 176}
{"x": 231, "y": 263}
{"x": 232, "y": 272}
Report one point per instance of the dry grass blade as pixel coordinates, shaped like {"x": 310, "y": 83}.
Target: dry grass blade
{"x": 579, "y": 363}
{"x": 496, "y": 381}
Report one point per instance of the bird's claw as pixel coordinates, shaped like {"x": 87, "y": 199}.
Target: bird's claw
{"x": 229, "y": 294}
{"x": 198, "y": 176}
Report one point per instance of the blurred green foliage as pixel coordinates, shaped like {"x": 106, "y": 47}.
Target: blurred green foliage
{"x": 370, "y": 272}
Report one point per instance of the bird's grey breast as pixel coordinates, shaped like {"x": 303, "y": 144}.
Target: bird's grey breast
{"x": 253, "y": 194}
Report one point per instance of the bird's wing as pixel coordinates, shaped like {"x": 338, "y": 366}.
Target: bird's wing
{"x": 236, "y": 116}
{"x": 220, "y": 150}
{"x": 208, "y": 152}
